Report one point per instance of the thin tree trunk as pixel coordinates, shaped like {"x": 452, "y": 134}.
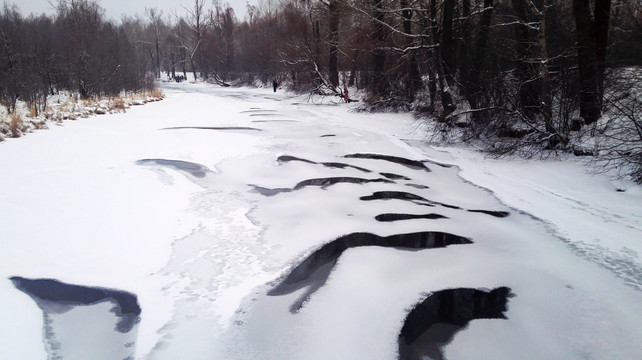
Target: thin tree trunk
{"x": 446, "y": 98}
{"x": 414, "y": 76}
{"x": 448, "y": 46}
{"x": 465, "y": 44}
{"x": 379, "y": 80}
{"x": 353, "y": 72}
{"x": 333, "y": 9}
{"x": 473, "y": 89}
{"x": 158, "y": 71}
{"x": 432, "y": 24}
{"x": 545, "y": 94}
{"x": 527, "y": 74}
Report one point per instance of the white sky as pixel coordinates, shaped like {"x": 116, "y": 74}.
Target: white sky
{"x": 116, "y": 8}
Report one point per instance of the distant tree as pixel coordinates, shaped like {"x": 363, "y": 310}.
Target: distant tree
{"x": 156, "y": 26}
{"x": 190, "y": 32}
{"x": 10, "y": 29}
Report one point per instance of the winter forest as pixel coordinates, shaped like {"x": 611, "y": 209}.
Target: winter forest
{"x": 323, "y": 179}
{"x": 518, "y": 76}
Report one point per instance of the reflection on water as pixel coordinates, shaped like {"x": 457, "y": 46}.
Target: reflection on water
{"x": 82, "y": 322}
{"x": 313, "y": 272}
{"x": 434, "y": 322}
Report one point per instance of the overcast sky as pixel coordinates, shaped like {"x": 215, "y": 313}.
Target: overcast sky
{"x": 116, "y": 8}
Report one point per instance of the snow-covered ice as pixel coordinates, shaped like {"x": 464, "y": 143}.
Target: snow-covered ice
{"x": 203, "y": 203}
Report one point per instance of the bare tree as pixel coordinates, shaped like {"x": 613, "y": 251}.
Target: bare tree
{"x": 190, "y": 32}
{"x": 592, "y": 35}
{"x": 156, "y": 24}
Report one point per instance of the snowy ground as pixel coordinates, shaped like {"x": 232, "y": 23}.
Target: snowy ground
{"x": 200, "y": 204}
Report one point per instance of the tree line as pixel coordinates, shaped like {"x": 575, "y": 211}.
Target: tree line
{"x": 523, "y": 74}
{"x": 77, "y": 50}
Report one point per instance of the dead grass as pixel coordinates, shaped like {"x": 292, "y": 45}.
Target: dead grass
{"x": 71, "y": 107}
{"x": 118, "y": 104}
{"x": 15, "y": 124}
{"x": 157, "y": 93}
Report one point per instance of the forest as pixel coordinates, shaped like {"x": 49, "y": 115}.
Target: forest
{"x": 526, "y": 77}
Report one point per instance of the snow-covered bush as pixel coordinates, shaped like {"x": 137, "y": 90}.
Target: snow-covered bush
{"x": 619, "y": 133}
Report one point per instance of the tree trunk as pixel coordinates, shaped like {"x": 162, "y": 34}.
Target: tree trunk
{"x": 158, "y": 68}
{"x": 379, "y": 81}
{"x": 414, "y": 76}
{"x": 465, "y": 44}
{"x": 448, "y": 45}
{"x": 446, "y": 98}
{"x": 473, "y": 89}
{"x": 173, "y": 65}
{"x": 590, "y": 101}
{"x": 353, "y": 72}
{"x": 333, "y": 71}
{"x": 191, "y": 61}
{"x": 482, "y": 37}
{"x": 526, "y": 70}
{"x": 432, "y": 24}
{"x": 602, "y": 19}
{"x": 545, "y": 94}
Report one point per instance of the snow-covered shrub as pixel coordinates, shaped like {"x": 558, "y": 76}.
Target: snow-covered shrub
{"x": 618, "y": 135}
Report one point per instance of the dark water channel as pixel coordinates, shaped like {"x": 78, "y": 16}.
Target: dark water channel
{"x": 84, "y": 322}
{"x": 433, "y": 323}
{"x": 313, "y": 272}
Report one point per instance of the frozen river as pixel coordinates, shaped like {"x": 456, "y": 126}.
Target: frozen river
{"x": 247, "y": 224}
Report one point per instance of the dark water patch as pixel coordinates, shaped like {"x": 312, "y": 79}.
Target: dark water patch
{"x": 449, "y": 206}
{"x": 196, "y": 170}
{"x": 337, "y": 165}
{"x": 275, "y": 120}
{"x": 288, "y": 158}
{"x": 269, "y": 192}
{"x": 313, "y": 272}
{"x": 498, "y": 214}
{"x": 324, "y": 183}
{"x": 448, "y": 166}
{"x": 265, "y": 114}
{"x": 433, "y": 323}
{"x": 413, "y": 164}
{"x": 329, "y": 181}
{"x": 328, "y": 135}
{"x": 255, "y": 110}
{"x": 58, "y": 292}
{"x": 398, "y": 217}
{"x": 398, "y": 195}
{"x": 406, "y": 196}
{"x": 418, "y": 186}
{"x": 392, "y": 176}
{"x": 244, "y": 128}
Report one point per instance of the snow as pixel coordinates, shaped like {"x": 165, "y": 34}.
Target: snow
{"x": 202, "y": 252}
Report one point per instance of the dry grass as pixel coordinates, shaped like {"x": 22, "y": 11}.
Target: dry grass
{"x": 71, "y": 107}
{"x": 33, "y": 112}
{"x": 118, "y": 104}
{"x": 15, "y": 124}
{"x": 88, "y": 102}
{"x": 157, "y": 93}
{"x": 39, "y": 125}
